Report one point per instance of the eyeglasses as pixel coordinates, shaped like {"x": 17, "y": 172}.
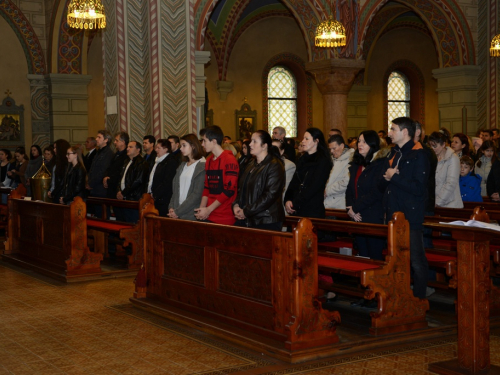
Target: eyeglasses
{"x": 70, "y": 153}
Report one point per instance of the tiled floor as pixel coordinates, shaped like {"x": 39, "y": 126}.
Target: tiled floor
{"x": 87, "y": 328}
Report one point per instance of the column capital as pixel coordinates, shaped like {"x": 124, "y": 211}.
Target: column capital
{"x": 335, "y": 76}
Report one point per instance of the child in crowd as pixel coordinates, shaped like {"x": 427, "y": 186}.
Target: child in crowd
{"x": 486, "y": 156}
{"x": 470, "y": 184}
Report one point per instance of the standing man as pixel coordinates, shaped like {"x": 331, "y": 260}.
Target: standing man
{"x": 221, "y": 180}
{"x": 279, "y": 132}
{"x": 112, "y": 178}
{"x": 148, "y": 144}
{"x": 100, "y": 164}
{"x": 175, "y": 143}
{"x": 406, "y": 180}
{"x": 133, "y": 181}
{"x": 90, "y": 146}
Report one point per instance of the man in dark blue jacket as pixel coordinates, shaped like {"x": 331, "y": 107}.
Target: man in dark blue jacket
{"x": 406, "y": 178}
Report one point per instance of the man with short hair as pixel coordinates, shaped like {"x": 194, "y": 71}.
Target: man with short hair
{"x": 227, "y": 139}
{"x": 100, "y": 164}
{"x": 176, "y": 151}
{"x": 133, "y": 181}
{"x": 221, "y": 180}
{"x": 90, "y": 146}
{"x": 279, "y": 132}
{"x": 334, "y": 132}
{"x": 486, "y": 135}
{"x": 406, "y": 180}
{"x": 112, "y": 177}
{"x": 382, "y": 134}
{"x": 148, "y": 144}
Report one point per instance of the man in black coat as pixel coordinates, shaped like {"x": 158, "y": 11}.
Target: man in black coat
{"x": 406, "y": 180}
{"x": 148, "y": 145}
{"x": 90, "y": 146}
{"x": 133, "y": 181}
{"x": 98, "y": 169}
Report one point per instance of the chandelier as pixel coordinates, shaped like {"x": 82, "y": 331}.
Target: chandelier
{"x": 86, "y": 14}
{"x": 330, "y": 33}
{"x": 495, "y": 46}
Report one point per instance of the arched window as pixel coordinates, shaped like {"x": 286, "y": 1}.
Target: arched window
{"x": 282, "y": 100}
{"x": 398, "y": 96}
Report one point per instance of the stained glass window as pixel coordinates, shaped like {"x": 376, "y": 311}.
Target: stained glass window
{"x": 398, "y": 96}
{"x": 282, "y": 100}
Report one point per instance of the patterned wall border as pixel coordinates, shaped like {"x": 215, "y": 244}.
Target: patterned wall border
{"x": 297, "y": 65}
{"x": 447, "y": 23}
{"x": 139, "y": 65}
{"x": 40, "y": 120}
{"x": 417, "y": 88}
{"x": 482, "y": 61}
{"x": 155, "y": 68}
{"x": 175, "y": 69}
{"x": 69, "y": 48}
{"x": 121, "y": 38}
{"x": 26, "y": 35}
{"x": 110, "y": 63}
{"x": 493, "y": 7}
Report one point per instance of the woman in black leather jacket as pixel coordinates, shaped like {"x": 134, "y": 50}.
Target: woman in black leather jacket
{"x": 259, "y": 200}
{"x": 76, "y": 178}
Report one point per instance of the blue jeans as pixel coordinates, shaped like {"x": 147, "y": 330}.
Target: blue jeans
{"x": 418, "y": 263}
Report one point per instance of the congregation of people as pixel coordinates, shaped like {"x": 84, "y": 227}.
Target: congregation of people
{"x": 256, "y": 182}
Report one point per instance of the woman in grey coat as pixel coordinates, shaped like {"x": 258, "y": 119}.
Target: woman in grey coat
{"x": 189, "y": 180}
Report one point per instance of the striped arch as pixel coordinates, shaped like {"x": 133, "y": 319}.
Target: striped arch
{"x": 445, "y": 21}
{"x": 26, "y": 35}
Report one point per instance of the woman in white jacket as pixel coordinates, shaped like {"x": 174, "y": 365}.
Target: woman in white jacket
{"x": 339, "y": 175}
{"x": 447, "y": 173}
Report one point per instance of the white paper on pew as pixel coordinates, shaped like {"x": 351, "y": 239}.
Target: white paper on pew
{"x": 475, "y": 223}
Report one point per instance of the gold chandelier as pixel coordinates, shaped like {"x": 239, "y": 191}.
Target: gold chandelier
{"x": 330, "y": 33}
{"x": 495, "y": 46}
{"x": 86, "y": 14}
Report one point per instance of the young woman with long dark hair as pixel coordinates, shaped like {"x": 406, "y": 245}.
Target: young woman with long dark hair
{"x": 304, "y": 196}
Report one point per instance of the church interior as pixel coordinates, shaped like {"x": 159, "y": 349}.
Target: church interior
{"x": 175, "y": 66}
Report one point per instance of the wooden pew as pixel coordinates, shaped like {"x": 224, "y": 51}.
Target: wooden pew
{"x": 388, "y": 281}
{"x": 57, "y": 248}
{"x": 132, "y": 234}
{"x": 19, "y": 192}
{"x": 254, "y": 287}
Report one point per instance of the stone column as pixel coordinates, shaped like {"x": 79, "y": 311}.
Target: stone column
{"x": 40, "y": 119}
{"x": 457, "y": 98}
{"x": 334, "y": 78}
{"x": 69, "y": 106}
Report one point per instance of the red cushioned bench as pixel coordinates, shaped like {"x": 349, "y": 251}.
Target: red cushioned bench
{"x": 387, "y": 281}
{"x": 100, "y": 228}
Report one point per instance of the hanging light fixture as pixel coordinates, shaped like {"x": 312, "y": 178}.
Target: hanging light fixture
{"x": 86, "y": 14}
{"x": 330, "y": 33}
{"x": 495, "y": 46}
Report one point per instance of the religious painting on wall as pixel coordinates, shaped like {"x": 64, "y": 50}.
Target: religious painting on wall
{"x": 11, "y": 122}
{"x": 245, "y": 121}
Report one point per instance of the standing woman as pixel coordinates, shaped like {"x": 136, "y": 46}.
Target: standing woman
{"x": 34, "y": 165}
{"x": 363, "y": 195}
{"x": 76, "y": 178}
{"x": 260, "y": 188}
{"x": 59, "y": 171}
{"x": 304, "y": 196}
{"x": 16, "y": 173}
{"x": 290, "y": 166}
{"x": 245, "y": 156}
{"x": 486, "y": 157}
{"x": 460, "y": 145}
{"x": 162, "y": 174}
{"x": 49, "y": 158}
{"x": 5, "y": 157}
{"x": 447, "y": 173}
{"x": 189, "y": 180}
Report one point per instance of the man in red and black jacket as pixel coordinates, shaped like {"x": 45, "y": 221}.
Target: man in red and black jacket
{"x": 221, "y": 180}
